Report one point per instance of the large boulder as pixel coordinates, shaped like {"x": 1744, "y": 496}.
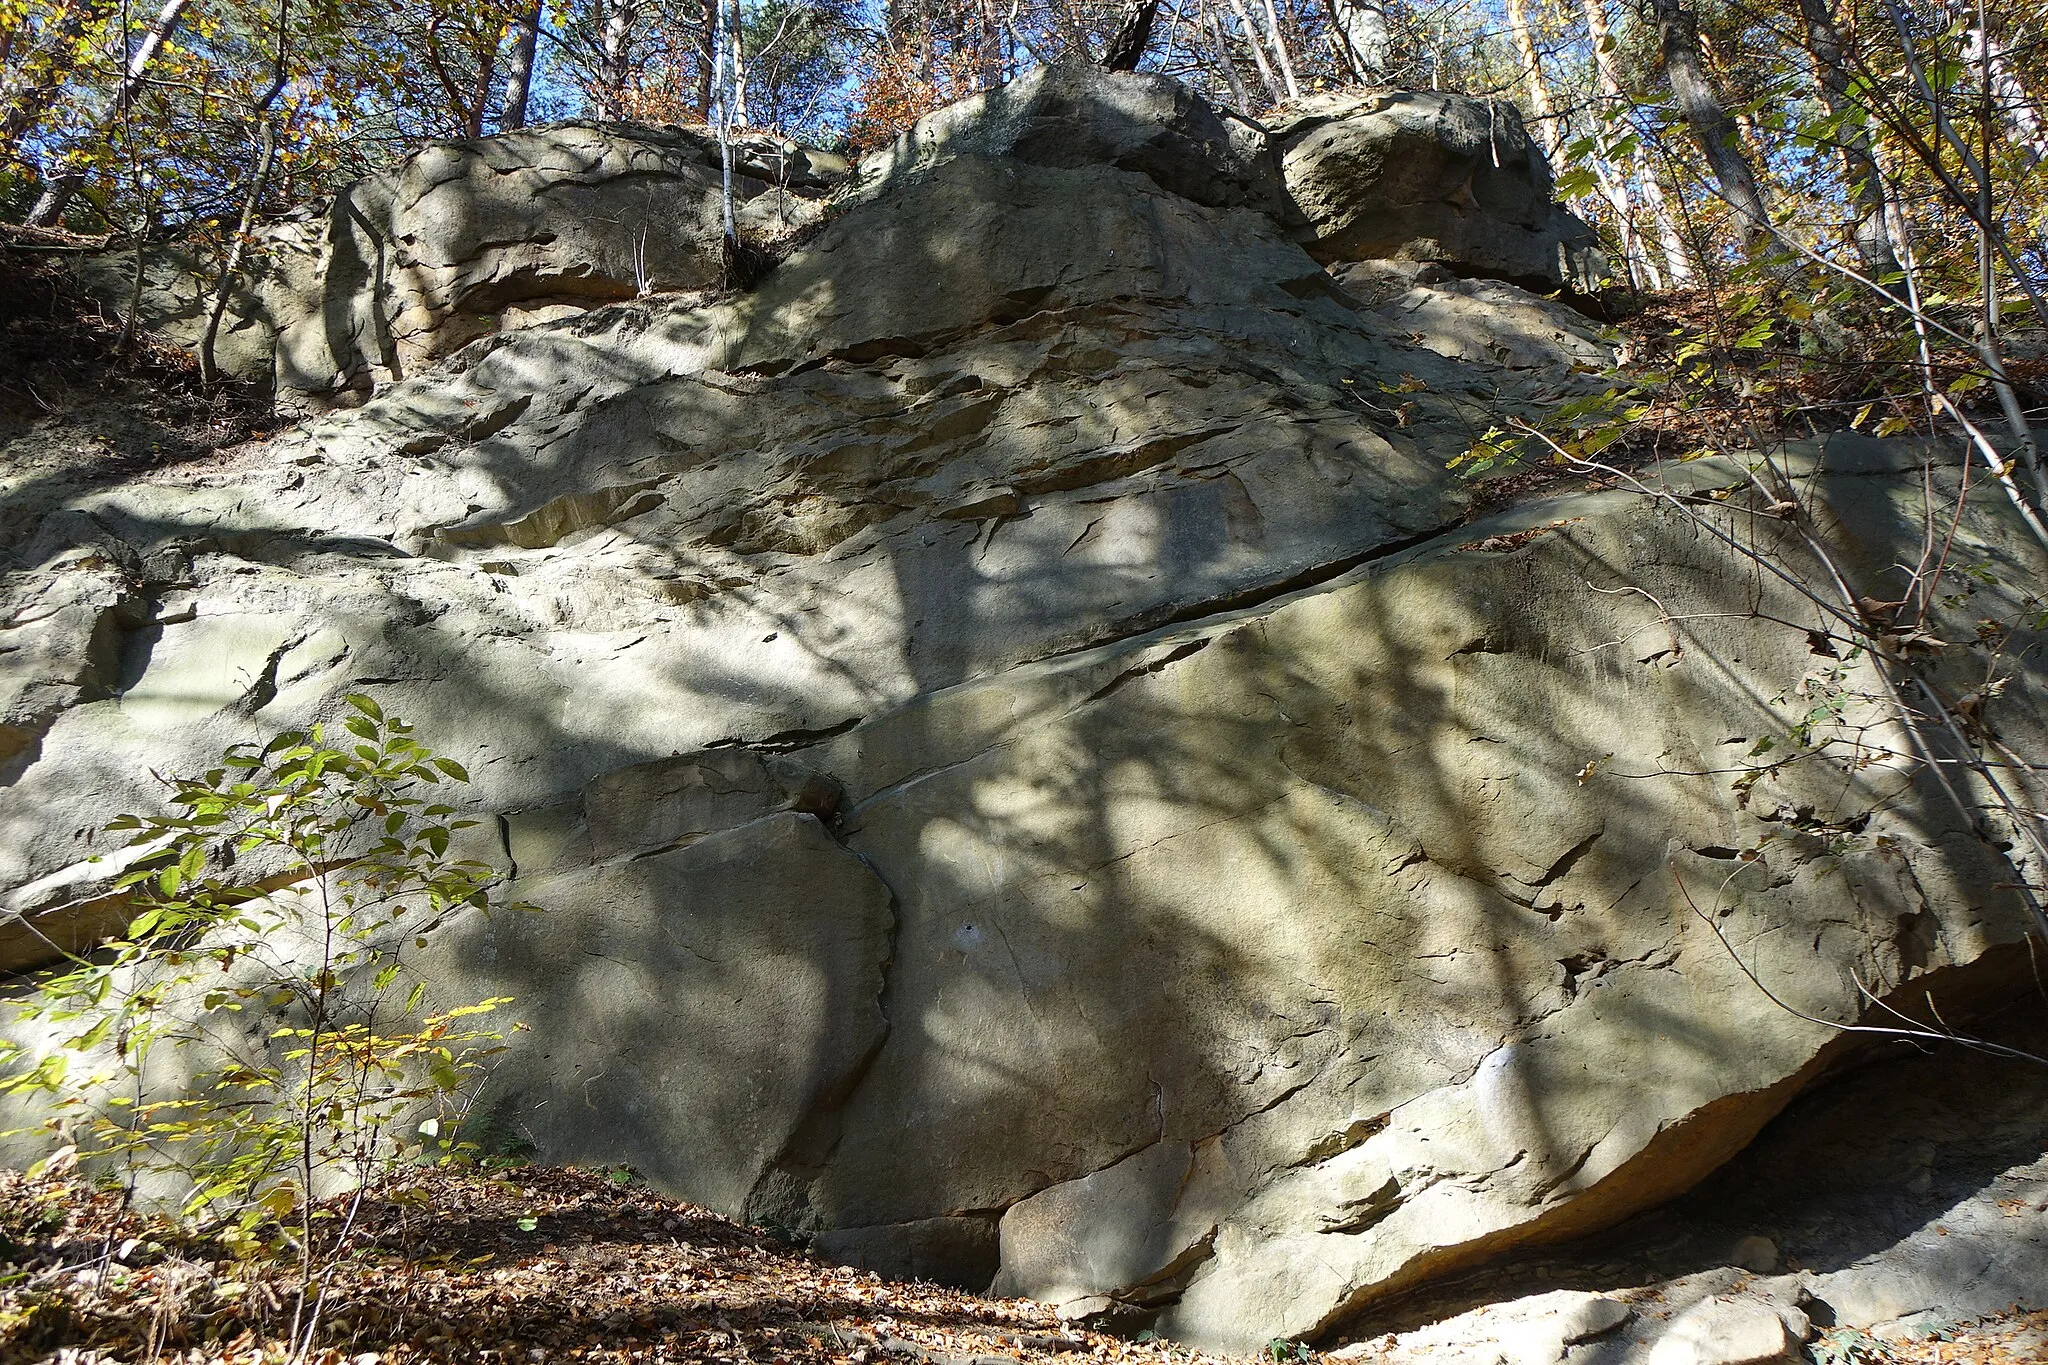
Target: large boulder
{"x": 1073, "y": 113}
{"x": 466, "y": 239}
{"x": 1421, "y": 175}
{"x": 1032, "y": 770}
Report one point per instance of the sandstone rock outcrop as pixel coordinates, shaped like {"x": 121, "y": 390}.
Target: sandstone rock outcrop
{"x": 1427, "y": 176}
{"x": 1032, "y": 768}
{"x": 466, "y": 239}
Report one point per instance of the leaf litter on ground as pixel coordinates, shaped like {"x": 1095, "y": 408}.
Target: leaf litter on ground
{"x": 545, "y": 1264}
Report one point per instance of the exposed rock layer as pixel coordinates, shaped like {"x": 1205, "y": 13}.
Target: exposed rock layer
{"x": 1029, "y": 771}
{"x": 467, "y": 239}
{"x": 464, "y": 240}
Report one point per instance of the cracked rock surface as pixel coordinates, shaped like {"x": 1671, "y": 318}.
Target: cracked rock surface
{"x": 1031, "y": 772}
{"x": 464, "y": 240}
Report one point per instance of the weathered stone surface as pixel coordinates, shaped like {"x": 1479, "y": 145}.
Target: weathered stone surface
{"x": 671, "y": 801}
{"x": 1067, "y": 840}
{"x": 689, "y": 1009}
{"x": 1539, "y": 1330}
{"x": 1498, "y": 323}
{"x": 469, "y": 238}
{"x": 1429, "y": 176}
{"x": 1726, "y": 1332}
{"x": 1119, "y": 1234}
{"x": 1903, "y": 1154}
{"x": 1025, "y": 618}
{"x": 1074, "y": 113}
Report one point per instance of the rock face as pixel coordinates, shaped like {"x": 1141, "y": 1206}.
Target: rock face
{"x": 1425, "y": 176}
{"x": 469, "y": 238}
{"x": 1900, "y": 1195}
{"x": 1032, "y": 770}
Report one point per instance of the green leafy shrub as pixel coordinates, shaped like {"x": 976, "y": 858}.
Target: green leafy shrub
{"x": 258, "y": 1036}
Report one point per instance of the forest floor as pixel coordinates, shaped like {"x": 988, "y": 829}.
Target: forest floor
{"x": 82, "y": 401}
{"x": 539, "y": 1264}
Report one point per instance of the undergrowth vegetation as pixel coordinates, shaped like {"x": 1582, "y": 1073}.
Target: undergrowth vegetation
{"x": 259, "y": 1045}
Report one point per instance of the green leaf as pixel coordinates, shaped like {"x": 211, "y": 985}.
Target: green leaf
{"x": 365, "y": 704}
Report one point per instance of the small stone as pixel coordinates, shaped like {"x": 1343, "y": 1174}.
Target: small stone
{"x": 1725, "y": 1332}
{"x": 1758, "y": 1254}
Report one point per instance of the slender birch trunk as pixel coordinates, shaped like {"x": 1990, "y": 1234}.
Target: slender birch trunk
{"x": 1548, "y": 132}
{"x": 2022, "y": 119}
{"x": 1280, "y": 51}
{"x": 1871, "y": 232}
{"x": 1677, "y": 260}
{"x": 1212, "y": 24}
{"x": 1363, "y": 36}
{"x": 738, "y": 30}
{"x": 616, "y": 60}
{"x": 252, "y": 202}
{"x": 57, "y": 195}
{"x": 1251, "y": 37}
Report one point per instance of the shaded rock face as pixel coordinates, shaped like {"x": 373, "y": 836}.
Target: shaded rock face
{"x": 467, "y": 239}
{"x": 1076, "y": 114}
{"x": 1031, "y": 772}
{"x": 1425, "y": 176}
{"x": 1902, "y": 1194}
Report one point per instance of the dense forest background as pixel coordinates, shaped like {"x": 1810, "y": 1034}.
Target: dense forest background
{"x": 1857, "y": 128}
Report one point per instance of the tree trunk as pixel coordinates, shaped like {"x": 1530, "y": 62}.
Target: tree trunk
{"x": 2022, "y": 120}
{"x": 616, "y": 63}
{"x": 1548, "y": 134}
{"x": 252, "y": 203}
{"x": 1677, "y": 260}
{"x": 1133, "y": 35}
{"x": 737, "y": 28}
{"x": 266, "y": 152}
{"x": 1251, "y": 37}
{"x": 1213, "y": 25}
{"x": 989, "y": 45}
{"x": 707, "y": 56}
{"x": 1173, "y": 35}
{"x": 724, "y": 65}
{"x": 1363, "y": 35}
{"x": 57, "y": 195}
{"x": 1716, "y": 132}
{"x": 1866, "y": 186}
{"x": 1678, "y": 266}
{"x": 519, "y": 77}
{"x": 1280, "y": 51}
{"x": 1635, "y": 262}
{"x": 486, "y": 81}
